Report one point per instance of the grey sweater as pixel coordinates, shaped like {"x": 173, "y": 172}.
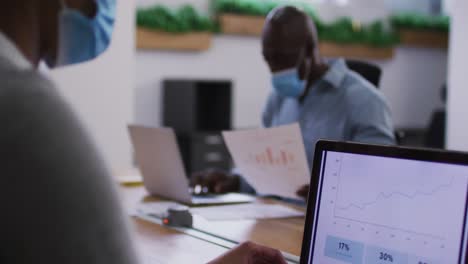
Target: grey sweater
{"x": 58, "y": 203}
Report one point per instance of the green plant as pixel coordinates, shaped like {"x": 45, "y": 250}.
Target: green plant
{"x": 244, "y": 7}
{"x": 343, "y": 31}
{"x": 182, "y": 20}
{"x": 186, "y": 19}
{"x": 346, "y": 31}
{"x": 421, "y": 22}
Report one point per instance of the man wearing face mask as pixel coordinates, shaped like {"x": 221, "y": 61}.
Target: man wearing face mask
{"x": 84, "y": 32}
{"x": 58, "y": 201}
{"x": 328, "y": 100}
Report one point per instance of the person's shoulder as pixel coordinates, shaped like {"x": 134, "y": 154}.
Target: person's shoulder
{"x": 27, "y": 99}
{"x": 360, "y": 91}
{"x": 19, "y": 87}
{"x": 24, "y": 82}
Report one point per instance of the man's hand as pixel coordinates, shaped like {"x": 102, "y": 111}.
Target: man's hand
{"x": 214, "y": 181}
{"x": 251, "y": 253}
{"x": 303, "y": 192}
{"x": 86, "y": 7}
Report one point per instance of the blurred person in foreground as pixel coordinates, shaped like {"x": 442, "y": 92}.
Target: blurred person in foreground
{"x": 59, "y": 203}
{"x": 326, "y": 98}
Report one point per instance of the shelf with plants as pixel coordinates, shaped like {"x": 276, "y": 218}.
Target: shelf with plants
{"x": 422, "y": 30}
{"x": 184, "y": 29}
{"x": 351, "y": 39}
{"x": 247, "y": 17}
{"x": 341, "y": 38}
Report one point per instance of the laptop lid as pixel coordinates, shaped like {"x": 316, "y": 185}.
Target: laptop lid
{"x": 159, "y": 159}
{"x": 376, "y": 204}
{"x": 161, "y": 165}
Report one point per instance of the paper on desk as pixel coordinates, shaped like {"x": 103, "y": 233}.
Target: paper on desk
{"x": 245, "y": 211}
{"x": 272, "y": 160}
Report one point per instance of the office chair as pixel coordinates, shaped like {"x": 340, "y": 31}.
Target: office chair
{"x": 435, "y": 132}
{"x": 372, "y": 73}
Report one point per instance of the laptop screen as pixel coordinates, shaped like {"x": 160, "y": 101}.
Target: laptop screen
{"x": 384, "y": 209}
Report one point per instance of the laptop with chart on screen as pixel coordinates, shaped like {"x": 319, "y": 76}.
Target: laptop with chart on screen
{"x": 377, "y": 205}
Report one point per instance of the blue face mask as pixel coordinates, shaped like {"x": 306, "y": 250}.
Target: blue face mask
{"x": 288, "y": 84}
{"x": 82, "y": 38}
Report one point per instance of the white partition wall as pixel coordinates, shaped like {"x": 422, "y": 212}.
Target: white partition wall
{"x": 457, "y": 127}
{"x": 102, "y": 91}
{"x": 412, "y": 98}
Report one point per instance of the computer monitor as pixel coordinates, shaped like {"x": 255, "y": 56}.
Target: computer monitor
{"x": 380, "y": 204}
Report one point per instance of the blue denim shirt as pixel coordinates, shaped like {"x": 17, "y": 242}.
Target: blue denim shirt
{"x": 341, "y": 106}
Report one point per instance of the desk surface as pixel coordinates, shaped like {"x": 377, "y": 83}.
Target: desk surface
{"x": 171, "y": 246}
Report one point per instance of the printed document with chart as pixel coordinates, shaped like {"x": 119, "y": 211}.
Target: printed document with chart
{"x": 272, "y": 160}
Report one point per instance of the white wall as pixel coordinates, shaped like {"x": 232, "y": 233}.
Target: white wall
{"x": 202, "y": 5}
{"x": 102, "y": 91}
{"x": 233, "y": 58}
{"x": 411, "y": 80}
{"x": 422, "y": 6}
{"x": 457, "y": 127}
{"x": 448, "y": 6}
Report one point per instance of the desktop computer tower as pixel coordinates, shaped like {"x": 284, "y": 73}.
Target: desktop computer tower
{"x": 198, "y": 110}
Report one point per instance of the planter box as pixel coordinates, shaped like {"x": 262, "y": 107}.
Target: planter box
{"x": 241, "y": 24}
{"x": 152, "y": 39}
{"x": 424, "y": 38}
{"x": 358, "y": 51}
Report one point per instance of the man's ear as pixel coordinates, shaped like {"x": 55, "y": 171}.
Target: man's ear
{"x": 315, "y": 58}
{"x": 307, "y": 59}
{"x": 48, "y": 21}
{"x": 312, "y": 50}
{"x": 309, "y": 48}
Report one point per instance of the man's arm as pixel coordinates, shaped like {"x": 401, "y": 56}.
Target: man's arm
{"x": 249, "y": 252}
{"x": 371, "y": 120}
{"x": 271, "y": 106}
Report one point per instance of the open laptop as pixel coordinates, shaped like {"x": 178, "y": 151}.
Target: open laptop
{"x": 160, "y": 163}
{"x": 375, "y": 205}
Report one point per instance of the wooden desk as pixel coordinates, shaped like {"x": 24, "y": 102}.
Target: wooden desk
{"x": 174, "y": 247}
{"x": 162, "y": 245}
